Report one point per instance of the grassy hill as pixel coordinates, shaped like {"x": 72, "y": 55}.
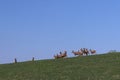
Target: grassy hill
{"x": 97, "y": 67}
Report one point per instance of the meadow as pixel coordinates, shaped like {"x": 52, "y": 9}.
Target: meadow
{"x": 93, "y": 67}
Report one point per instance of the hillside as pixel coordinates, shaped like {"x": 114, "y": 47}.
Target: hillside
{"x": 96, "y": 67}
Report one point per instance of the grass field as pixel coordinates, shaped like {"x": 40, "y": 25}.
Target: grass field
{"x": 96, "y": 67}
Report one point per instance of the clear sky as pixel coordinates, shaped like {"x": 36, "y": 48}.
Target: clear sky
{"x": 42, "y": 28}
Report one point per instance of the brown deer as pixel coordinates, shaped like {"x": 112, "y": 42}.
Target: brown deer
{"x": 92, "y": 51}
{"x": 57, "y": 56}
{"x": 84, "y": 51}
{"x": 61, "y": 55}
{"x": 77, "y": 52}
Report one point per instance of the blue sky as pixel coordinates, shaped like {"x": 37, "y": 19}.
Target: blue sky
{"x": 42, "y": 28}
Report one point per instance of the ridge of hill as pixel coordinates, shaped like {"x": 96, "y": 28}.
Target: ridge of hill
{"x": 94, "y": 67}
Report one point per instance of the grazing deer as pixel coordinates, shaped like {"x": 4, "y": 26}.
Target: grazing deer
{"x": 92, "y": 51}
{"x": 57, "y": 56}
{"x": 80, "y": 52}
{"x": 77, "y": 52}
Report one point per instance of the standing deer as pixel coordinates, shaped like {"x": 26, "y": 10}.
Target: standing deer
{"x": 84, "y": 51}
{"x": 61, "y": 55}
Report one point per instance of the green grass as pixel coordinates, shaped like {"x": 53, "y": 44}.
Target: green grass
{"x": 97, "y": 67}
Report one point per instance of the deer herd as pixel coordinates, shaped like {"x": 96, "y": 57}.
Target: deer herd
{"x": 80, "y": 52}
